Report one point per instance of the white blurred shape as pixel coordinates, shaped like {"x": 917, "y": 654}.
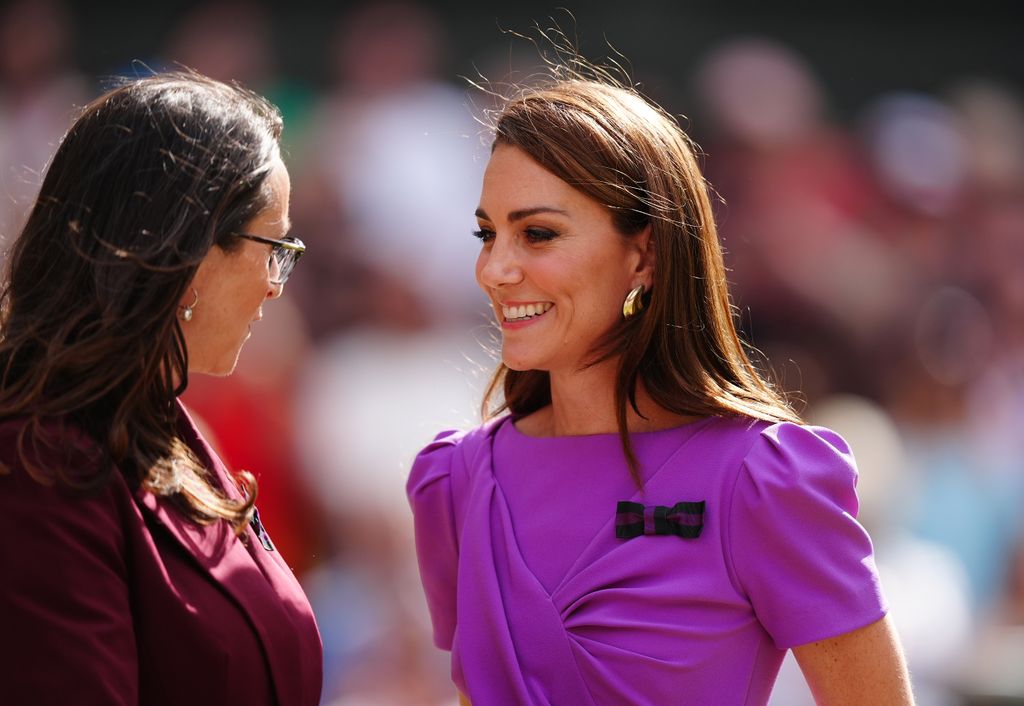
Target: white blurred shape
{"x": 760, "y": 92}
{"x": 919, "y": 151}
{"x": 367, "y": 402}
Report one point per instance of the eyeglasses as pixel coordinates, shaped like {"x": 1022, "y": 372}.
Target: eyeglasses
{"x": 283, "y": 255}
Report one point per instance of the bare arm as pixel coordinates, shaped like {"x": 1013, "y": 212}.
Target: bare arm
{"x": 865, "y": 666}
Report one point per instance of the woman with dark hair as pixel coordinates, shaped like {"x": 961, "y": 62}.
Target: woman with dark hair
{"x": 650, "y": 523}
{"x": 134, "y": 566}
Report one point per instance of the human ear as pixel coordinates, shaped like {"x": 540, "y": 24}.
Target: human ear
{"x": 642, "y": 246}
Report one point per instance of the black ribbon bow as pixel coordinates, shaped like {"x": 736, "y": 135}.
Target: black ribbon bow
{"x": 684, "y": 519}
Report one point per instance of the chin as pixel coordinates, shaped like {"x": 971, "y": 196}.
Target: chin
{"x": 219, "y": 369}
{"x": 519, "y": 365}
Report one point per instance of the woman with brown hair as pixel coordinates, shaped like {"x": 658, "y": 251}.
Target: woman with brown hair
{"x": 135, "y": 568}
{"x": 650, "y": 522}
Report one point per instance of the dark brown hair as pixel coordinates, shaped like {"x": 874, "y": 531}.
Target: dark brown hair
{"x": 150, "y": 177}
{"x": 606, "y": 140}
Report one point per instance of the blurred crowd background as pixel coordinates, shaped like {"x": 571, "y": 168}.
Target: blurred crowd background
{"x": 869, "y": 168}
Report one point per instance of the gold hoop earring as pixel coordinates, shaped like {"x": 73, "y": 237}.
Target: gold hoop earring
{"x": 634, "y": 302}
{"x": 186, "y": 310}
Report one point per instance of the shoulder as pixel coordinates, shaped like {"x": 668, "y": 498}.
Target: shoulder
{"x": 794, "y": 545}
{"x": 798, "y": 459}
{"x": 64, "y": 586}
{"x": 52, "y": 452}
{"x": 55, "y": 488}
{"x": 435, "y": 458}
{"x": 55, "y": 497}
{"x": 451, "y": 449}
{"x": 804, "y": 441}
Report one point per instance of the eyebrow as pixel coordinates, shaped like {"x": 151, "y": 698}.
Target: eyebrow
{"x": 524, "y": 212}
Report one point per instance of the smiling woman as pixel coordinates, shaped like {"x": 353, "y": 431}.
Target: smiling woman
{"x": 553, "y": 264}
{"x": 132, "y": 558}
{"x": 651, "y": 522}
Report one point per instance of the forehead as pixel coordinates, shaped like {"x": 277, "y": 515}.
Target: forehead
{"x": 278, "y": 184}
{"x": 513, "y": 178}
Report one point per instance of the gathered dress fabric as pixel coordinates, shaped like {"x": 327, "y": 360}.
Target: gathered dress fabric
{"x": 113, "y": 596}
{"x": 540, "y": 602}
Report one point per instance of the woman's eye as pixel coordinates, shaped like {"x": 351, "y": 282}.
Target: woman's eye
{"x": 485, "y": 235}
{"x": 540, "y": 235}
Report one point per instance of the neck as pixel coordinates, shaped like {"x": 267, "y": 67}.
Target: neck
{"x": 583, "y": 402}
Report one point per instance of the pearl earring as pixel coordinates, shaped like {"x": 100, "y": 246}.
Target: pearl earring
{"x": 186, "y": 310}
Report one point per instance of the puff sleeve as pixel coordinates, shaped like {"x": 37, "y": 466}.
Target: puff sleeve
{"x": 796, "y": 549}
{"x": 429, "y": 489}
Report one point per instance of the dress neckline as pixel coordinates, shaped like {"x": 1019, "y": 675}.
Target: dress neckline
{"x": 698, "y": 423}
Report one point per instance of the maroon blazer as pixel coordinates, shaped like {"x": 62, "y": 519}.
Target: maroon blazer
{"x": 115, "y": 597}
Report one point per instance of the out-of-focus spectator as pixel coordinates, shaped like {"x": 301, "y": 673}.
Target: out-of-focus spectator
{"x": 991, "y": 673}
{"x": 992, "y": 220}
{"x": 231, "y": 40}
{"x": 228, "y": 40}
{"x": 39, "y": 91}
{"x": 929, "y": 384}
{"x": 919, "y": 157}
{"x": 397, "y": 150}
{"x": 365, "y": 400}
{"x": 796, "y": 195}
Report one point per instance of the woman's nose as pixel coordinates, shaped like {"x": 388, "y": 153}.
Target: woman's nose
{"x": 499, "y": 264}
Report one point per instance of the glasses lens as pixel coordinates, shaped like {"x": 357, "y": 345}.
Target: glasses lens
{"x": 285, "y": 260}
{"x": 275, "y": 266}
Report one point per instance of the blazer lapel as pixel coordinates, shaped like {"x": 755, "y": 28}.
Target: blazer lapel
{"x": 272, "y": 600}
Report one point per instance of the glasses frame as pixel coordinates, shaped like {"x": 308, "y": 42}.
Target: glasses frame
{"x": 287, "y": 243}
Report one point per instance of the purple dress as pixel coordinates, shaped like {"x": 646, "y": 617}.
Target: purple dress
{"x": 542, "y": 602}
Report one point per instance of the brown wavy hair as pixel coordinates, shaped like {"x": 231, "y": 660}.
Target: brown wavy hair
{"x": 151, "y": 176}
{"x": 605, "y": 139}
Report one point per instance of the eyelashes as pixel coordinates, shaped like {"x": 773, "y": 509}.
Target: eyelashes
{"x": 533, "y": 235}
{"x": 540, "y": 235}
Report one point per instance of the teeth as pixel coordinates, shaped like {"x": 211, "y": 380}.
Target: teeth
{"x": 524, "y": 311}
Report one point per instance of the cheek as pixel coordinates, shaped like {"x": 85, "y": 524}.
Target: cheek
{"x": 246, "y": 295}
{"x": 602, "y": 291}
{"x": 257, "y": 277}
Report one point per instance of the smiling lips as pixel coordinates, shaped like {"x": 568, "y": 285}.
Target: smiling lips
{"x": 522, "y": 312}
